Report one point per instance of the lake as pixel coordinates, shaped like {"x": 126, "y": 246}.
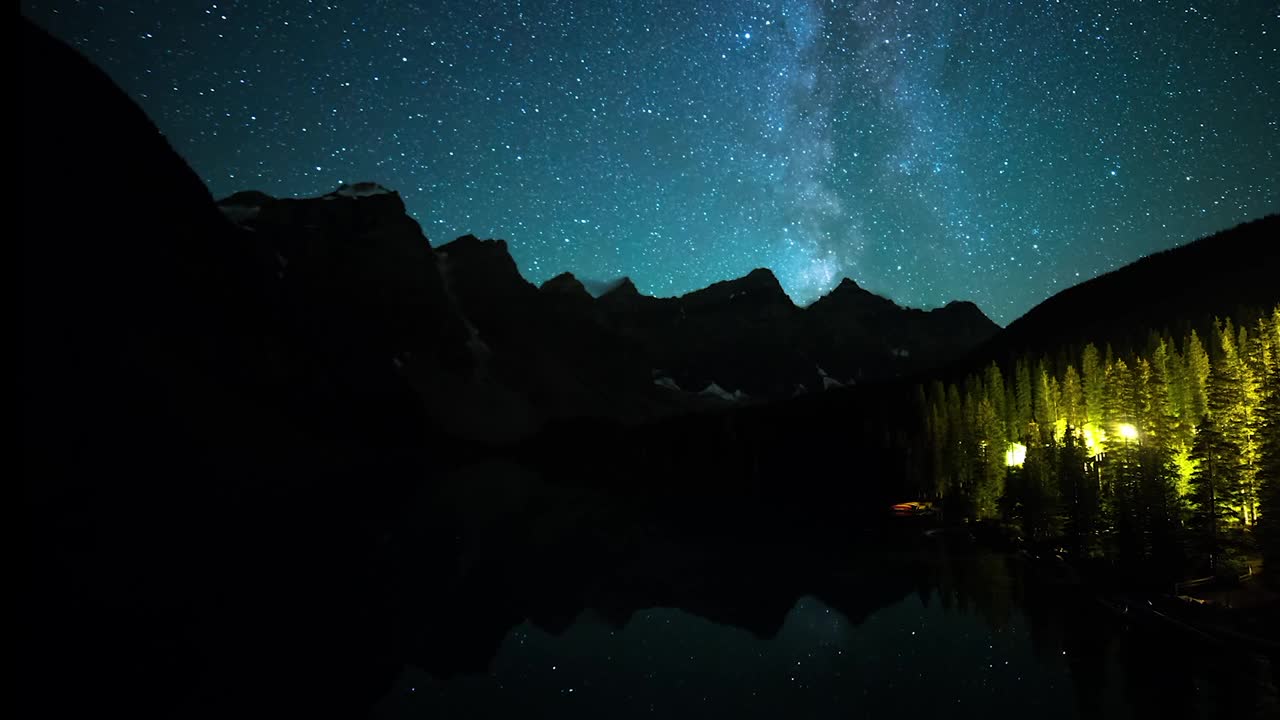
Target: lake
{"x": 933, "y": 631}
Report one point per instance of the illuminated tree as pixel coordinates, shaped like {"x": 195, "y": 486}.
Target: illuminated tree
{"x": 1024, "y": 402}
{"x": 1040, "y": 500}
{"x": 1080, "y": 495}
{"x": 1252, "y": 372}
{"x": 1177, "y": 375}
{"x": 1158, "y": 475}
{"x": 1139, "y": 458}
{"x": 1072, "y": 398}
{"x": 1214, "y": 493}
{"x": 992, "y": 468}
{"x": 1229, "y": 407}
{"x": 993, "y": 384}
{"x": 1047, "y": 398}
{"x": 1197, "y": 378}
{"x": 1093, "y": 379}
{"x": 1269, "y": 474}
{"x": 1118, "y": 404}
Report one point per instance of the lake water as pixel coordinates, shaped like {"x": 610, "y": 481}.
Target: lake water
{"x": 945, "y": 634}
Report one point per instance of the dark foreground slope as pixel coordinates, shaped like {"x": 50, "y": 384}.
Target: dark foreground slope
{"x": 205, "y": 477}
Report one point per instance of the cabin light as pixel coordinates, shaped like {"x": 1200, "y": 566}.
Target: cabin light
{"x": 1016, "y": 455}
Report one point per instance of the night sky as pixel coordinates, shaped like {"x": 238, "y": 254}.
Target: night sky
{"x": 931, "y": 151}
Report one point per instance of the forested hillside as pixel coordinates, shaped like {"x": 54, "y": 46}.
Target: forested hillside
{"x": 1164, "y": 459}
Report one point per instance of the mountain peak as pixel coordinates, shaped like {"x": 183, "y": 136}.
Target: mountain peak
{"x": 470, "y": 244}
{"x": 625, "y": 288}
{"x": 762, "y": 279}
{"x": 360, "y": 190}
{"x": 849, "y": 294}
{"x": 760, "y": 283}
{"x": 961, "y": 305}
{"x": 565, "y": 284}
{"x": 246, "y": 198}
{"x": 964, "y": 311}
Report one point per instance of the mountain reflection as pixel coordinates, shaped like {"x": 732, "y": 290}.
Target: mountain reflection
{"x": 684, "y": 629}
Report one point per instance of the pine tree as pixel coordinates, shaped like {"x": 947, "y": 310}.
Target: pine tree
{"x": 993, "y": 383}
{"x": 1055, "y": 423}
{"x": 1214, "y": 491}
{"x": 936, "y": 429}
{"x": 1025, "y": 403}
{"x": 1072, "y": 398}
{"x": 1118, "y": 404}
{"x": 1080, "y": 497}
{"x": 991, "y": 471}
{"x": 1093, "y": 379}
{"x": 1197, "y": 378}
{"x": 1269, "y": 475}
{"x": 1227, "y": 405}
{"x": 1179, "y": 393}
{"x": 1044, "y": 405}
{"x": 1252, "y": 370}
{"x": 1159, "y": 476}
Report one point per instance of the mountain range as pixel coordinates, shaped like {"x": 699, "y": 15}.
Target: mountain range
{"x": 495, "y": 356}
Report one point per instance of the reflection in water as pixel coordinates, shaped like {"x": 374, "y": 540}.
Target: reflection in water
{"x": 959, "y": 634}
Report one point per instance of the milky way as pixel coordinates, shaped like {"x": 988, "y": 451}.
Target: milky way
{"x": 931, "y": 151}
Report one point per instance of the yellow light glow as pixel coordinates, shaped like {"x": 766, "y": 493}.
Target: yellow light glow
{"x": 1015, "y": 455}
{"x": 1094, "y": 436}
{"x": 1128, "y": 432}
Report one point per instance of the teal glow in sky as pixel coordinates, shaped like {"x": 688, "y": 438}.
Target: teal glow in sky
{"x": 990, "y": 151}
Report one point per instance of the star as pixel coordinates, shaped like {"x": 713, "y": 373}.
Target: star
{"x": 909, "y": 145}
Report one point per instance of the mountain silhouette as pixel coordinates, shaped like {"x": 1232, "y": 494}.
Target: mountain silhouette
{"x": 1232, "y": 273}
{"x": 530, "y": 355}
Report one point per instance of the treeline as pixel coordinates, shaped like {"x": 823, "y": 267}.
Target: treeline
{"x": 1165, "y": 459}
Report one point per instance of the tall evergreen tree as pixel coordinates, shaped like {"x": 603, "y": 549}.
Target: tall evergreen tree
{"x": 1214, "y": 494}
{"x": 1227, "y": 406}
{"x": 1197, "y": 378}
{"x": 1252, "y": 372}
{"x": 938, "y": 439}
{"x": 1025, "y": 403}
{"x": 1044, "y": 406}
{"x": 1269, "y": 475}
{"x": 1037, "y": 501}
{"x": 993, "y": 382}
{"x": 989, "y": 486}
{"x": 1159, "y": 476}
{"x": 1093, "y": 376}
{"x": 1118, "y": 401}
{"x": 1080, "y": 495}
{"x": 1072, "y": 398}
{"x": 1054, "y": 420}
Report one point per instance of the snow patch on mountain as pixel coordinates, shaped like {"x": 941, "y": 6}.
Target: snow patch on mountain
{"x": 668, "y": 383}
{"x": 240, "y": 214}
{"x": 715, "y": 390}
{"x": 360, "y": 190}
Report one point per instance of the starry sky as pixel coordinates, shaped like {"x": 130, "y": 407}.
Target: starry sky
{"x": 931, "y": 151}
